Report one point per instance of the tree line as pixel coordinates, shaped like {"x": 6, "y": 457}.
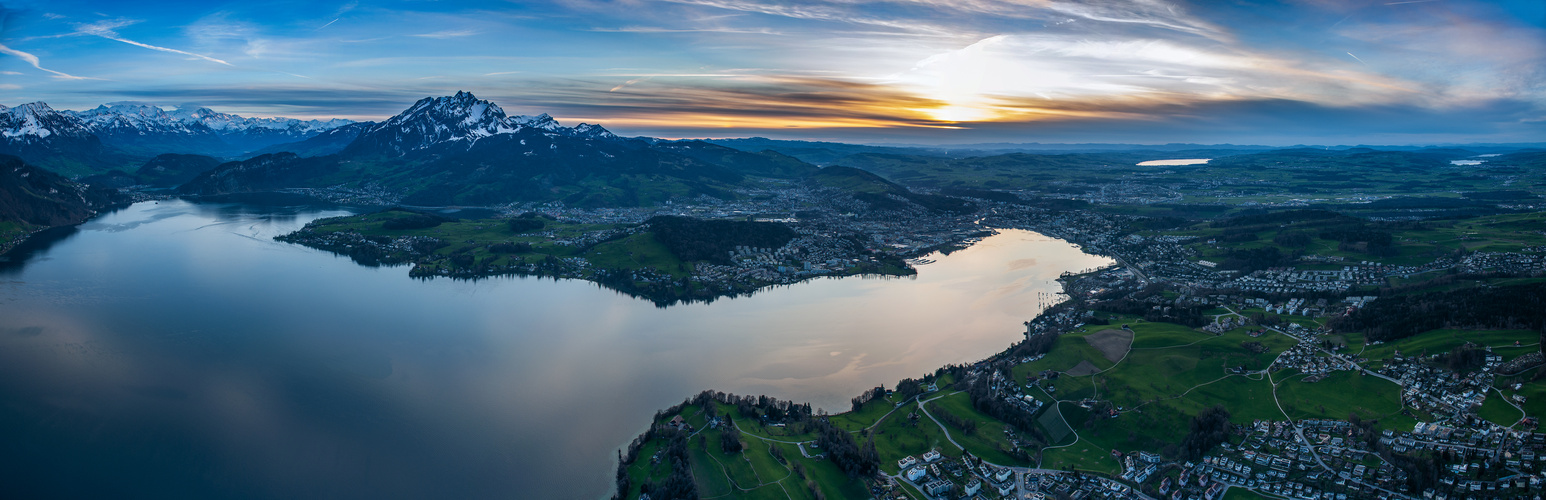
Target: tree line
{"x": 1394, "y": 318}
{"x": 845, "y": 452}
{"x": 1207, "y": 430}
{"x": 712, "y": 240}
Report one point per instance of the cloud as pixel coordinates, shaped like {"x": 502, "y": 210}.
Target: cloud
{"x": 651, "y": 29}
{"x": 33, "y": 60}
{"x": 629, "y": 83}
{"x": 972, "y": 81}
{"x": 276, "y": 100}
{"x": 443, "y": 34}
{"x": 105, "y": 29}
{"x": 818, "y": 11}
{"x": 909, "y": 67}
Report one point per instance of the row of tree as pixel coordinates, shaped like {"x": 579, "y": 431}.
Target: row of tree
{"x": 845, "y": 452}
{"x": 870, "y": 395}
{"x": 1207, "y": 430}
{"x": 1393, "y": 318}
{"x": 712, "y": 240}
{"x": 678, "y": 484}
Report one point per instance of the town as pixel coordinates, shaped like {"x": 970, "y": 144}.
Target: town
{"x": 1450, "y": 420}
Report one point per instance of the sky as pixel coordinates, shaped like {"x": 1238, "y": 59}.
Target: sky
{"x": 900, "y": 71}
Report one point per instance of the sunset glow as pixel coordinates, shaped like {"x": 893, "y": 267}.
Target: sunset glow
{"x": 994, "y": 70}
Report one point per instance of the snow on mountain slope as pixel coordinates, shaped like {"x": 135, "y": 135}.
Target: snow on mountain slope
{"x": 139, "y": 118}
{"x": 36, "y": 123}
{"x": 434, "y": 122}
{"x": 228, "y": 123}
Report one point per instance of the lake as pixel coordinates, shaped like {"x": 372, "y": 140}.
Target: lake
{"x": 1184, "y": 161}
{"x": 173, "y": 349}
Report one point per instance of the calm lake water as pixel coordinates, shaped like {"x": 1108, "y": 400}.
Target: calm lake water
{"x": 1184, "y": 161}
{"x": 174, "y": 350}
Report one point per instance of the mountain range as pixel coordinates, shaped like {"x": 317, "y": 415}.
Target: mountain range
{"x": 33, "y": 198}
{"x": 122, "y": 135}
{"x": 461, "y": 150}
{"x": 450, "y": 150}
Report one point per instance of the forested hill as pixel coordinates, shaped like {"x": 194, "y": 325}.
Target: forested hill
{"x": 712, "y": 240}
{"x": 1399, "y": 317}
{"x": 881, "y": 194}
{"x": 32, "y": 198}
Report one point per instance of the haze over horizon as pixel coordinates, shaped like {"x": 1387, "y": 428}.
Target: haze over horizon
{"x": 905, "y": 71}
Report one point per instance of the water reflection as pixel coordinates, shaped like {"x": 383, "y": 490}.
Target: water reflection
{"x": 190, "y": 355}
{"x": 36, "y": 245}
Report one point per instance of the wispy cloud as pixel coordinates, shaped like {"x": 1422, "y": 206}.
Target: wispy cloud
{"x": 979, "y": 66}
{"x": 653, "y": 29}
{"x": 105, "y": 29}
{"x": 33, "y": 60}
{"x": 447, "y": 34}
{"x": 628, "y": 83}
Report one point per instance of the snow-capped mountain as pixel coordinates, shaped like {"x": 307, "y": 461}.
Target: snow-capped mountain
{"x": 42, "y": 136}
{"x": 36, "y": 122}
{"x": 124, "y": 134}
{"x": 461, "y": 150}
{"x": 136, "y": 118}
{"x": 151, "y": 119}
{"x": 457, "y": 122}
{"x": 144, "y": 128}
{"x": 228, "y": 123}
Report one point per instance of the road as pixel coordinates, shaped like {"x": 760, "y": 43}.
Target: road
{"x": 1141, "y": 277}
{"x": 1299, "y": 433}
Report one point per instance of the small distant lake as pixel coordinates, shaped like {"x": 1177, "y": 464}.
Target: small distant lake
{"x": 1186, "y": 161}
{"x": 174, "y": 350}
{"x": 1467, "y": 162}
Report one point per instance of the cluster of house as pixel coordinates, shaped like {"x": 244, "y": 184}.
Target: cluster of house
{"x": 1077, "y": 486}
{"x": 1516, "y": 263}
{"x": 1440, "y": 391}
{"x": 1138, "y": 467}
{"x": 1484, "y": 460}
{"x": 1306, "y": 358}
{"x": 937, "y": 476}
{"x": 1225, "y": 323}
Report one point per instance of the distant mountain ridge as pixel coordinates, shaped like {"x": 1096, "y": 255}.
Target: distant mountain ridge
{"x": 461, "y": 150}
{"x": 126, "y": 133}
{"x": 33, "y": 198}
{"x": 37, "y": 133}
{"x": 456, "y": 122}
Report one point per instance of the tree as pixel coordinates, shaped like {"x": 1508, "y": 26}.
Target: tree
{"x": 1208, "y": 429}
{"x": 730, "y": 441}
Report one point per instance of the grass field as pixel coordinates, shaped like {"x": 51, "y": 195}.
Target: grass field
{"x": 1339, "y": 395}
{"x": 1112, "y": 343}
{"x": 1445, "y": 340}
{"x": 899, "y": 436}
{"x": 756, "y": 473}
{"x": 866, "y": 416}
{"x": 1496, "y": 233}
{"x": 1171, "y": 374}
{"x": 987, "y": 441}
{"x": 1494, "y": 409}
{"x": 639, "y": 251}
